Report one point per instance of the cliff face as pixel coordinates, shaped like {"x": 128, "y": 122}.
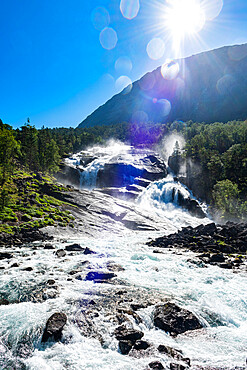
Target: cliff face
{"x": 209, "y": 87}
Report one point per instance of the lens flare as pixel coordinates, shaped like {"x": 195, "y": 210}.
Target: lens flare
{"x": 156, "y": 48}
{"x": 124, "y": 83}
{"x": 123, "y": 65}
{"x": 129, "y": 8}
{"x": 100, "y": 18}
{"x": 170, "y": 70}
{"x": 139, "y": 117}
{"x": 165, "y": 107}
{"x": 184, "y": 17}
{"x": 108, "y": 38}
{"x": 212, "y": 8}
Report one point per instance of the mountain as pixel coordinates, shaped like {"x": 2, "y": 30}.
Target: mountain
{"x": 210, "y": 86}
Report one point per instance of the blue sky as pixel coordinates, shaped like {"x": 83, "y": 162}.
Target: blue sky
{"x": 54, "y": 69}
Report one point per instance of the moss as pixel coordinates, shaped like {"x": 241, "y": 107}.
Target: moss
{"x": 5, "y": 228}
{"x": 221, "y": 242}
{"x": 34, "y": 208}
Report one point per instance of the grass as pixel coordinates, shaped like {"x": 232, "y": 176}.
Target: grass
{"x": 27, "y": 205}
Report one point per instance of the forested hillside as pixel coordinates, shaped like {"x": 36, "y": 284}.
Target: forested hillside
{"x": 215, "y": 155}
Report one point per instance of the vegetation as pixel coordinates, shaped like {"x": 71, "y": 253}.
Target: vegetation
{"x": 216, "y": 157}
{"x": 218, "y": 152}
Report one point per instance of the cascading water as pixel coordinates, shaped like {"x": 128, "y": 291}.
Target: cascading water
{"x": 218, "y": 297}
{"x": 100, "y": 156}
{"x": 162, "y": 198}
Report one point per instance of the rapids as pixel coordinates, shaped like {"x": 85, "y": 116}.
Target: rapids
{"x": 218, "y": 297}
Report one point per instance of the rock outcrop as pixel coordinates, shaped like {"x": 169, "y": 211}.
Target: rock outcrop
{"x": 221, "y": 245}
{"x": 174, "y": 319}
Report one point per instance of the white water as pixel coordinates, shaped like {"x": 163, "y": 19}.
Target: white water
{"x": 88, "y": 174}
{"x": 217, "y": 296}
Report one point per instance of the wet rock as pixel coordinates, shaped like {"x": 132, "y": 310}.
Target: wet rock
{"x": 99, "y": 276}
{"x": 137, "y": 306}
{"x": 174, "y": 353}
{"x": 111, "y": 266}
{"x": 156, "y": 365}
{"x": 50, "y": 282}
{"x": 88, "y": 251}
{"x": 170, "y": 351}
{"x": 128, "y": 334}
{"x": 60, "y": 253}
{"x": 15, "y": 265}
{"x": 174, "y": 319}
{"x": 4, "y": 302}
{"x": 214, "y": 243}
{"x": 27, "y": 269}
{"x": 49, "y": 246}
{"x": 74, "y": 248}
{"x": 120, "y": 173}
{"x": 141, "y": 344}
{"x": 54, "y": 327}
{"x": 4, "y": 255}
{"x": 125, "y": 346}
{"x": 225, "y": 265}
{"x": 217, "y": 258}
{"x": 192, "y": 205}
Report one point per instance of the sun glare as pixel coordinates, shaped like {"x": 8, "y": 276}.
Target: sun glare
{"x": 184, "y": 17}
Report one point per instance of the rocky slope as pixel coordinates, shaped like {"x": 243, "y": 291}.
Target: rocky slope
{"x": 207, "y": 87}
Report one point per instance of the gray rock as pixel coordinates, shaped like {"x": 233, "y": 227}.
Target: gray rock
{"x": 60, "y": 253}
{"x": 54, "y": 327}
{"x": 74, "y": 248}
{"x": 156, "y": 365}
{"x": 129, "y": 334}
{"x": 174, "y": 319}
{"x": 125, "y": 346}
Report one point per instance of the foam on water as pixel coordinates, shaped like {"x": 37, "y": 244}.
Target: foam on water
{"x": 103, "y": 155}
{"x": 218, "y": 297}
{"x": 161, "y": 198}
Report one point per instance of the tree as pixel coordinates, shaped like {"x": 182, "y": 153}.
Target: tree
{"x": 9, "y": 149}
{"x": 225, "y": 194}
{"x": 29, "y": 146}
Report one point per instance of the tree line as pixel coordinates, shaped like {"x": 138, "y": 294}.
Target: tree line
{"x": 218, "y": 150}
{"x": 218, "y": 153}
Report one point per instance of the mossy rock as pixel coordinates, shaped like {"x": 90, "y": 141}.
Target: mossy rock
{"x": 26, "y": 217}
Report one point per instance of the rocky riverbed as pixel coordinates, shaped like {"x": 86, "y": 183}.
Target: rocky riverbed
{"x": 103, "y": 301}
{"x": 221, "y": 245}
{"x": 125, "y": 285}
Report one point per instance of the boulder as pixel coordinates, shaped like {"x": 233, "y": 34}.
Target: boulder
{"x": 156, "y": 365}
{"x": 54, "y": 327}
{"x": 4, "y": 302}
{"x": 125, "y": 346}
{"x": 141, "y": 344}
{"x": 174, "y": 319}
{"x": 4, "y": 255}
{"x": 60, "y": 253}
{"x": 49, "y": 246}
{"x": 128, "y": 334}
{"x": 88, "y": 251}
{"x": 74, "y": 248}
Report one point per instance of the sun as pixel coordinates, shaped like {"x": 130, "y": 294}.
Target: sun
{"x": 183, "y": 18}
